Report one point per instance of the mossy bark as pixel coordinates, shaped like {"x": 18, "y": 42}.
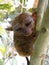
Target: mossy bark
{"x": 43, "y": 37}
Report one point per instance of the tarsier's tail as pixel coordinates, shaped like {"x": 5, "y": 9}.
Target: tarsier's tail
{"x": 28, "y": 62}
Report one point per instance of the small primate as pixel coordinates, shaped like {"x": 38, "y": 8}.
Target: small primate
{"x": 24, "y": 27}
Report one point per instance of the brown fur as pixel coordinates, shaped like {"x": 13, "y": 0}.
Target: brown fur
{"x": 24, "y": 44}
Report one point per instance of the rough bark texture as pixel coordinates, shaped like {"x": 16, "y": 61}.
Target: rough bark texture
{"x": 43, "y": 37}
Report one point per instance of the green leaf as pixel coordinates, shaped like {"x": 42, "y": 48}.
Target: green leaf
{"x": 5, "y": 6}
{"x": 20, "y": 1}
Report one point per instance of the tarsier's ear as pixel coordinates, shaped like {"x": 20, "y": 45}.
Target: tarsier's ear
{"x": 34, "y": 15}
{"x": 9, "y": 29}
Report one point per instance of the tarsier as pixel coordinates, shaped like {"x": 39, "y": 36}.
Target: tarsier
{"x": 24, "y": 27}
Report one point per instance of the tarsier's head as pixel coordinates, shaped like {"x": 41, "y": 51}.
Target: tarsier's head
{"x": 24, "y": 24}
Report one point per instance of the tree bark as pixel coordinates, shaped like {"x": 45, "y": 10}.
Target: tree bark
{"x": 42, "y": 40}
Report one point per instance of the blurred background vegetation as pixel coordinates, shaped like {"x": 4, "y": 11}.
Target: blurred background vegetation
{"x": 11, "y": 8}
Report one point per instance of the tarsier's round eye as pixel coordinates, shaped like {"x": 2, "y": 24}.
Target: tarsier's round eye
{"x": 27, "y": 24}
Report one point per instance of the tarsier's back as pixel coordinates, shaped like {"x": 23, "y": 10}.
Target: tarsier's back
{"x": 24, "y": 33}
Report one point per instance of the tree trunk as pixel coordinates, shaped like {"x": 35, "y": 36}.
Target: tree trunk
{"x": 43, "y": 37}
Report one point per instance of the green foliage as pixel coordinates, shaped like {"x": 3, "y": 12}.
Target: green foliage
{"x": 10, "y": 9}
{"x": 5, "y": 6}
{"x": 31, "y": 9}
{"x": 2, "y": 15}
{"x": 1, "y": 62}
{"x": 21, "y": 1}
